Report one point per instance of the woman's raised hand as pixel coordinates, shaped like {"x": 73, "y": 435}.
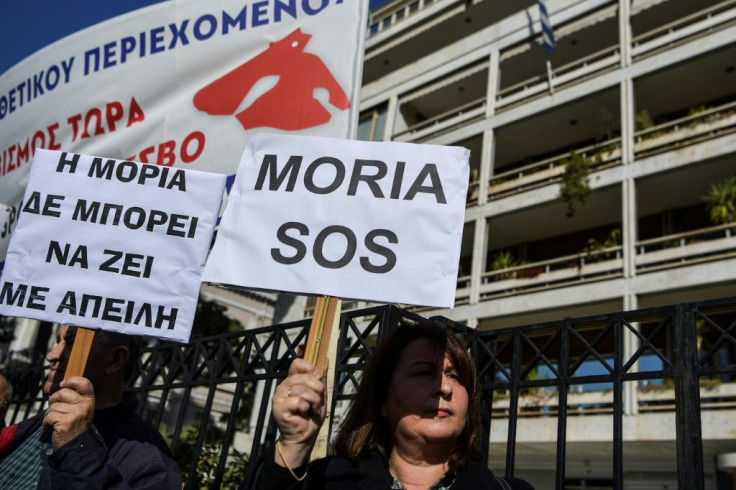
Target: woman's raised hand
{"x": 299, "y": 410}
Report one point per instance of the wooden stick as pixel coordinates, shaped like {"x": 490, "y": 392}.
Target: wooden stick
{"x": 320, "y": 330}
{"x": 80, "y": 351}
{"x": 322, "y": 442}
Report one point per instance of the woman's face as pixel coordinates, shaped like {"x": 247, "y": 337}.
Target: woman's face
{"x": 426, "y": 403}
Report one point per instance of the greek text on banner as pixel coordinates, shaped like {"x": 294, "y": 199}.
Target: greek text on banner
{"x": 111, "y": 244}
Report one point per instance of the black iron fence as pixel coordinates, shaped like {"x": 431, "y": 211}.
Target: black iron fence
{"x": 211, "y": 397}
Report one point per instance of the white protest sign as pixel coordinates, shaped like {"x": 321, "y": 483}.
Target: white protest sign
{"x": 373, "y": 221}
{"x": 180, "y": 82}
{"x": 111, "y": 244}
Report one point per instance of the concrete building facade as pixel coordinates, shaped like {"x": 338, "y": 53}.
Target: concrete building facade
{"x": 589, "y": 171}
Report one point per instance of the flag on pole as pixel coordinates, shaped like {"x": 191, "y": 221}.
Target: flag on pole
{"x": 548, "y": 36}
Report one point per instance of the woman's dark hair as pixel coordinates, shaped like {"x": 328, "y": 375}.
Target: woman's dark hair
{"x": 365, "y": 430}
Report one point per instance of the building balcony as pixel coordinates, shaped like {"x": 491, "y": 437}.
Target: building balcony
{"x": 395, "y": 13}
{"x": 701, "y": 125}
{"x": 405, "y": 31}
{"x": 593, "y": 265}
{"x": 704, "y": 124}
{"x": 676, "y": 250}
{"x": 434, "y": 126}
{"x": 550, "y": 170}
{"x": 560, "y": 77}
{"x": 600, "y": 262}
{"x": 676, "y": 22}
{"x": 443, "y": 105}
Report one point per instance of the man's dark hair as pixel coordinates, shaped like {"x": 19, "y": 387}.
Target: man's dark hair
{"x": 105, "y": 339}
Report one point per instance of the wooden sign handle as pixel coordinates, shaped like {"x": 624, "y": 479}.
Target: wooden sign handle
{"x": 80, "y": 352}
{"x": 320, "y": 330}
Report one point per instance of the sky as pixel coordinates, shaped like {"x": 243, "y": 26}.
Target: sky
{"x": 28, "y": 25}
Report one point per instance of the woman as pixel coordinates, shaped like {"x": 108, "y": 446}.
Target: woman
{"x": 414, "y": 423}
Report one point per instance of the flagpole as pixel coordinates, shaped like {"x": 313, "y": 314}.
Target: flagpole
{"x": 548, "y": 40}
{"x": 549, "y": 76}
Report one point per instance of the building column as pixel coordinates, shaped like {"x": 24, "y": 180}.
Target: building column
{"x": 488, "y": 146}
{"x": 480, "y": 237}
{"x": 478, "y": 265}
{"x": 494, "y": 82}
{"x": 393, "y": 107}
{"x": 629, "y": 231}
{"x": 624, "y": 31}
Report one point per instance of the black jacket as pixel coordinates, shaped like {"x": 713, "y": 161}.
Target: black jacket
{"x": 118, "y": 451}
{"x": 339, "y": 473}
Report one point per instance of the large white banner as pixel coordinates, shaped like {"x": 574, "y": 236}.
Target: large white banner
{"x": 373, "y": 221}
{"x": 111, "y": 244}
{"x": 180, "y": 82}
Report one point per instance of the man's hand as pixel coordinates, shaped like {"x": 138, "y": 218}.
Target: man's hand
{"x": 71, "y": 410}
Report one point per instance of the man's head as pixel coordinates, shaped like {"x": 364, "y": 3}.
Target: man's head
{"x": 111, "y": 360}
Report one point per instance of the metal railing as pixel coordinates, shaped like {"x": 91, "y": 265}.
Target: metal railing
{"x": 226, "y": 382}
{"x": 685, "y": 28}
{"x": 474, "y": 110}
{"x": 594, "y": 265}
{"x": 704, "y": 125}
{"x": 377, "y": 25}
{"x": 600, "y": 156}
{"x": 705, "y": 244}
{"x": 507, "y": 358}
{"x": 562, "y": 76}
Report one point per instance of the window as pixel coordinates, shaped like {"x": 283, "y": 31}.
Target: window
{"x": 372, "y": 124}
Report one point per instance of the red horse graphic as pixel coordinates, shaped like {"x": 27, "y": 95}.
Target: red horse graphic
{"x": 290, "y": 104}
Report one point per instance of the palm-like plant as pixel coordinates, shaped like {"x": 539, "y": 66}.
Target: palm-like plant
{"x": 501, "y": 261}
{"x": 720, "y": 200}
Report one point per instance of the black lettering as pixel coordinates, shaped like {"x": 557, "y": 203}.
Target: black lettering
{"x": 178, "y": 180}
{"x": 36, "y": 299}
{"x": 128, "y": 217}
{"x": 147, "y": 268}
{"x": 96, "y": 303}
{"x": 100, "y": 169}
{"x": 387, "y": 253}
{"x": 144, "y": 314}
{"x": 79, "y": 258}
{"x": 398, "y": 178}
{"x": 9, "y": 296}
{"x": 268, "y": 167}
{"x": 111, "y": 312}
{"x": 336, "y": 182}
{"x": 159, "y": 218}
{"x": 319, "y": 243}
{"x": 83, "y": 213}
{"x": 69, "y": 303}
{"x": 52, "y": 203}
{"x": 177, "y": 220}
{"x": 192, "y": 227}
{"x": 132, "y": 265}
{"x": 372, "y": 180}
{"x": 149, "y": 172}
{"x": 33, "y": 204}
{"x": 64, "y": 162}
{"x": 117, "y": 210}
{"x": 299, "y": 247}
{"x": 106, "y": 266}
{"x": 429, "y": 170}
{"x": 126, "y": 171}
{"x": 170, "y": 318}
